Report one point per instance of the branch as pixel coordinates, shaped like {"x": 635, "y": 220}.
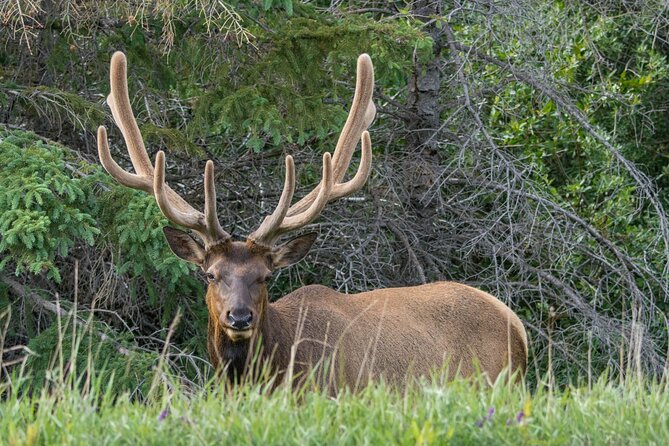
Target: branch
{"x": 412, "y": 255}
{"x": 646, "y": 184}
{"x": 44, "y": 304}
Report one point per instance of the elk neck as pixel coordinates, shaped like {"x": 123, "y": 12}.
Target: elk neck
{"x": 268, "y": 347}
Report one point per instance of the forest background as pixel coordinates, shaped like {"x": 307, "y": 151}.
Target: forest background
{"x": 520, "y": 146}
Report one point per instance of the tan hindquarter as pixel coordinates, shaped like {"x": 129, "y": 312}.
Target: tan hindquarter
{"x": 401, "y": 333}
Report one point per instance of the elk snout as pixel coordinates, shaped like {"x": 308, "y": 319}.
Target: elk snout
{"x": 240, "y": 318}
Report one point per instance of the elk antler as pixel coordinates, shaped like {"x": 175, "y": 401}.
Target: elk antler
{"x": 287, "y": 218}
{"x": 175, "y": 208}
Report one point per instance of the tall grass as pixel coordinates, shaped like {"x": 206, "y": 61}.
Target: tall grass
{"x": 457, "y": 413}
{"x": 80, "y": 401}
{"x": 88, "y": 406}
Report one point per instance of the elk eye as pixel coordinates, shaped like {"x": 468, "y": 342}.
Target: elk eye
{"x": 210, "y": 277}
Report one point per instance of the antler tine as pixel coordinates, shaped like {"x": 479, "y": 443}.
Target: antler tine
{"x": 210, "y": 215}
{"x": 119, "y": 103}
{"x": 178, "y": 211}
{"x": 360, "y": 116}
{"x": 269, "y": 226}
{"x": 192, "y": 220}
{"x": 277, "y": 223}
{"x": 360, "y": 178}
{"x": 284, "y": 218}
{"x": 324, "y": 194}
{"x": 116, "y": 171}
{"x": 175, "y": 208}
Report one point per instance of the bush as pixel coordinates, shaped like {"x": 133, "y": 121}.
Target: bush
{"x": 53, "y": 206}
{"x": 44, "y": 210}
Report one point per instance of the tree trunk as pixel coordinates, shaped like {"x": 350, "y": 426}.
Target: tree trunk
{"x": 424, "y": 120}
{"x": 423, "y": 100}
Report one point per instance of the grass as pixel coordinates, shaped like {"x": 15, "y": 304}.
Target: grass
{"x": 77, "y": 402}
{"x": 457, "y": 413}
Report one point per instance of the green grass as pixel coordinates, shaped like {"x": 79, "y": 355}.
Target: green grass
{"x": 457, "y": 413}
{"x": 62, "y": 394}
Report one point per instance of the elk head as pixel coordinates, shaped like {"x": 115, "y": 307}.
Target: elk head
{"x": 237, "y": 271}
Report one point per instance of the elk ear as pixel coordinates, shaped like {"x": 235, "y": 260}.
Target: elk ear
{"x": 184, "y": 246}
{"x": 293, "y": 250}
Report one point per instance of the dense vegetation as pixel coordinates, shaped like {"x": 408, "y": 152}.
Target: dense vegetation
{"x": 521, "y": 147}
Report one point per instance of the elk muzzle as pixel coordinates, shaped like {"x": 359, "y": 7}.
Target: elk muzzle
{"x": 240, "y": 319}
{"x": 238, "y": 323}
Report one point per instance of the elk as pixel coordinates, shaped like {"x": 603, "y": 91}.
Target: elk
{"x": 394, "y": 333}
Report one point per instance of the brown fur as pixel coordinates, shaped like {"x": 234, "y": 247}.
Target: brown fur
{"x": 396, "y": 333}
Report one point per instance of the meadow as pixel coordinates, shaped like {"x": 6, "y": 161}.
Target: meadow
{"x": 631, "y": 412}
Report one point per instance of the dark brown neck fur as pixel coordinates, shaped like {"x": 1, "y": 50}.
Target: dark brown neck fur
{"x": 269, "y": 347}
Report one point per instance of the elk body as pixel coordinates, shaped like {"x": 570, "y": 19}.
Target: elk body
{"x": 394, "y": 333}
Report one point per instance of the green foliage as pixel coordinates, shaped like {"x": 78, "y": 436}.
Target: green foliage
{"x": 50, "y": 203}
{"x": 618, "y": 97}
{"x": 294, "y": 91}
{"x": 45, "y": 211}
{"x": 134, "y": 226}
{"x": 616, "y": 77}
{"x": 287, "y": 5}
{"x": 581, "y": 172}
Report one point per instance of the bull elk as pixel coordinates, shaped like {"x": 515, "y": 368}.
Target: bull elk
{"x": 397, "y": 333}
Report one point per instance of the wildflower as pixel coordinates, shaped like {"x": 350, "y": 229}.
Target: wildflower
{"x": 519, "y": 419}
{"x": 488, "y": 417}
{"x": 163, "y": 414}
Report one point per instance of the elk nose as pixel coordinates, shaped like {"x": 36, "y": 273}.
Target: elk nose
{"x": 240, "y": 319}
